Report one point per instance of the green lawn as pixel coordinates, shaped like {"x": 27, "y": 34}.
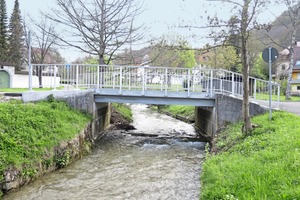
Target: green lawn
{"x": 29, "y": 132}
{"x": 262, "y": 166}
{"x": 275, "y": 97}
{"x": 26, "y": 89}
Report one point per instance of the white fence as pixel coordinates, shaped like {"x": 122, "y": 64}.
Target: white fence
{"x": 145, "y": 78}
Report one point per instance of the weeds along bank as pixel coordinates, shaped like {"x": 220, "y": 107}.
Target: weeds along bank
{"x": 183, "y": 113}
{"x": 37, "y": 138}
{"x": 261, "y": 166}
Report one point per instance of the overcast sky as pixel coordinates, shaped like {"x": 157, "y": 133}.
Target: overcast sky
{"x": 160, "y": 16}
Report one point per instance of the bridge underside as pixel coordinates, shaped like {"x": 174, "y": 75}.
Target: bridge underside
{"x": 153, "y": 97}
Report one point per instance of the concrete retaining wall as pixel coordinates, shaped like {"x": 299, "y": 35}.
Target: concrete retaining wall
{"x": 227, "y": 109}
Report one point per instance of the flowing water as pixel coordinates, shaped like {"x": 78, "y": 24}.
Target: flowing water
{"x": 126, "y": 166}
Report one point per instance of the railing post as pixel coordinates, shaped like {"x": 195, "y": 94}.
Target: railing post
{"x": 101, "y": 71}
{"x": 55, "y": 71}
{"x": 211, "y": 83}
{"x": 278, "y": 95}
{"x": 98, "y": 77}
{"x": 166, "y": 82}
{"x": 221, "y": 85}
{"x": 232, "y": 83}
{"x": 143, "y": 81}
{"x": 121, "y": 80}
{"x": 76, "y": 78}
{"x": 30, "y": 77}
{"x": 254, "y": 93}
{"x": 188, "y": 83}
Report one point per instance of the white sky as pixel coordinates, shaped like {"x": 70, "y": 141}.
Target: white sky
{"x": 160, "y": 16}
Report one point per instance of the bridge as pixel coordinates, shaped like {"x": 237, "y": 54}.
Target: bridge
{"x": 215, "y": 93}
{"x": 148, "y": 84}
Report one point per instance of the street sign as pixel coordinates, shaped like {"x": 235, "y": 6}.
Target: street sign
{"x": 266, "y": 54}
{"x": 270, "y": 55}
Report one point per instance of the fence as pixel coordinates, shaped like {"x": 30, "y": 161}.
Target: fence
{"x": 145, "y": 78}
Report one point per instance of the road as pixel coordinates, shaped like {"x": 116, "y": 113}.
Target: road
{"x": 292, "y": 107}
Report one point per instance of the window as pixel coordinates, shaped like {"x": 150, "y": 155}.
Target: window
{"x": 298, "y": 87}
{"x": 298, "y": 76}
{"x": 283, "y": 66}
{"x": 298, "y": 63}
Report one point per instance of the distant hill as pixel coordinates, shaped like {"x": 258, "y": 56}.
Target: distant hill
{"x": 280, "y": 31}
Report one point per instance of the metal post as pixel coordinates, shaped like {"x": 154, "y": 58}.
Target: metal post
{"x": 143, "y": 79}
{"x": 270, "y": 83}
{"x": 101, "y": 76}
{"x": 55, "y": 71}
{"x": 98, "y": 77}
{"x": 254, "y": 94}
{"x": 29, "y": 61}
{"x": 188, "y": 82}
{"x": 232, "y": 83}
{"x": 166, "y": 82}
{"x": 121, "y": 80}
{"x": 211, "y": 83}
{"x": 76, "y": 77}
{"x": 278, "y": 95}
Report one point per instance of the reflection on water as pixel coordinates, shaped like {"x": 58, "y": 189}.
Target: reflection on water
{"x": 127, "y": 167}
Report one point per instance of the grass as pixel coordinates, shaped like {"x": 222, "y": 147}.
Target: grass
{"x": 124, "y": 110}
{"x": 261, "y": 166}
{"x": 26, "y": 89}
{"x": 183, "y": 111}
{"x": 260, "y": 96}
{"x": 29, "y": 132}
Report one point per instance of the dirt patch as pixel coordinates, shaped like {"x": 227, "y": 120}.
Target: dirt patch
{"x": 118, "y": 122}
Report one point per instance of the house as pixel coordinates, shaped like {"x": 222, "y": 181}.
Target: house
{"x": 282, "y": 65}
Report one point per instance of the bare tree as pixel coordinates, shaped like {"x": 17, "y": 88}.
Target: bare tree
{"x": 97, "y": 27}
{"x": 245, "y": 14}
{"x": 293, "y": 17}
{"x": 44, "y": 39}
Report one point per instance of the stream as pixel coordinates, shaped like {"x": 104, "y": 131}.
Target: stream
{"x": 155, "y": 161}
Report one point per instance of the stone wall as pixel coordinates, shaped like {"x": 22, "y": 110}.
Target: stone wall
{"x": 62, "y": 155}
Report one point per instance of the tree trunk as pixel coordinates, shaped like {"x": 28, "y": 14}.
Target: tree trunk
{"x": 40, "y": 74}
{"x": 245, "y": 63}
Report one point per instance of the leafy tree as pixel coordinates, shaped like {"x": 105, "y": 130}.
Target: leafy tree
{"x": 222, "y": 58}
{"x": 3, "y": 32}
{"x": 16, "y": 37}
{"x": 260, "y": 68}
{"x": 173, "y": 52}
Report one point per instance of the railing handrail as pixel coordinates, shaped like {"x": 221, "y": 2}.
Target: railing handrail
{"x": 123, "y": 76}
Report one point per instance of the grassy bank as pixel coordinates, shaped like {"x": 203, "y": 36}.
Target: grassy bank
{"x": 263, "y": 165}
{"x": 30, "y": 132}
{"x": 123, "y": 110}
{"x": 187, "y": 112}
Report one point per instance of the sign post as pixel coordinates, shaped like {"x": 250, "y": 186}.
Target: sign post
{"x": 269, "y": 55}
{"x": 29, "y": 61}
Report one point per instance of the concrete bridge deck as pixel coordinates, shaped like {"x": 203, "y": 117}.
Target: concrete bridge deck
{"x": 154, "y": 97}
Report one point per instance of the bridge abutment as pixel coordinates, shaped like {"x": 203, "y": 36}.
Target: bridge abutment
{"x": 228, "y": 109}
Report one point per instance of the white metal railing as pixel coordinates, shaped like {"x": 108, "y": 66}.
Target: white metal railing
{"x": 145, "y": 78}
